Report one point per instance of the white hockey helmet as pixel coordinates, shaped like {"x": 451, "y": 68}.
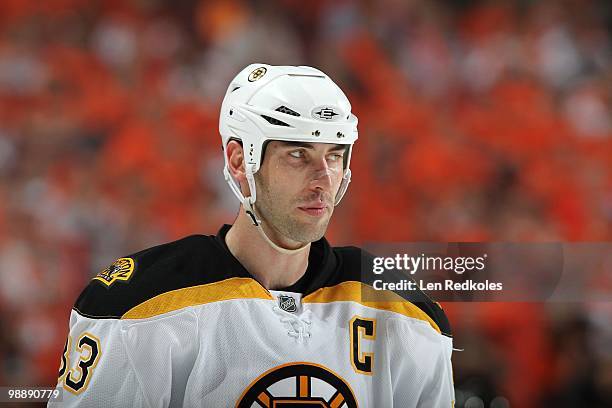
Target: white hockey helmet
{"x": 301, "y": 104}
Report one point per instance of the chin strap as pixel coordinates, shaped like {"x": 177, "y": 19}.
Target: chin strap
{"x": 279, "y": 248}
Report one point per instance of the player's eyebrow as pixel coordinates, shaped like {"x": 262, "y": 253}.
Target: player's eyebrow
{"x": 337, "y": 147}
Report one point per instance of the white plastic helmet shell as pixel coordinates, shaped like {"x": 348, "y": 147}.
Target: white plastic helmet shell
{"x": 302, "y": 104}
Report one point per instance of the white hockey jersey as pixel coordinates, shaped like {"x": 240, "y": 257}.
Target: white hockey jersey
{"x": 185, "y": 325}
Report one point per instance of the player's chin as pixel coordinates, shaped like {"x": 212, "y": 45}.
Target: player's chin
{"x": 312, "y": 228}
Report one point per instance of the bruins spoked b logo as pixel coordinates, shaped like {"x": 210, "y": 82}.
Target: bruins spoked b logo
{"x": 298, "y": 385}
{"x": 257, "y": 74}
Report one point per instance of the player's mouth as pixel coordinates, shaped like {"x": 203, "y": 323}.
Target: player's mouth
{"x": 314, "y": 210}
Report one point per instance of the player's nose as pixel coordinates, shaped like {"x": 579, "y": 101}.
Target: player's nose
{"x": 322, "y": 175}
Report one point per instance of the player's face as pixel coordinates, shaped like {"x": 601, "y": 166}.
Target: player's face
{"x": 296, "y": 187}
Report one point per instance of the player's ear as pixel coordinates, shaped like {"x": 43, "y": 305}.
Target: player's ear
{"x": 235, "y": 161}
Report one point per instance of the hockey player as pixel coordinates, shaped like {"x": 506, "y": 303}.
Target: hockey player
{"x": 266, "y": 313}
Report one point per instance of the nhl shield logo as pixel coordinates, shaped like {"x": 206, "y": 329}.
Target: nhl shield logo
{"x": 287, "y": 303}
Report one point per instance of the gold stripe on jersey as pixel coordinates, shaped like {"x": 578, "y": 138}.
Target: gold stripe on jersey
{"x": 232, "y": 288}
{"x": 353, "y": 291}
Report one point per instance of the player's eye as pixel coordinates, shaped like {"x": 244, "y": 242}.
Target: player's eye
{"x": 336, "y": 156}
{"x": 298, "y": 154}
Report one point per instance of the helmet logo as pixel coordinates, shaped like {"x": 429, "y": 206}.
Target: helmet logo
{"x": 324, "y": 113}
{"x": 257, "y": 74}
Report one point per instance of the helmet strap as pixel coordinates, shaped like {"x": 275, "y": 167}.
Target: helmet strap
{"x": 346, "y": 179}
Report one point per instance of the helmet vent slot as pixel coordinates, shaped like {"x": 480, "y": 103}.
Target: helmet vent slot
{"x": 286, "y": 110}
{"x": 274, "y": 121}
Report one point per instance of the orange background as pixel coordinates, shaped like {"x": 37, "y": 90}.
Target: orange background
{"x": 479, "y": 121}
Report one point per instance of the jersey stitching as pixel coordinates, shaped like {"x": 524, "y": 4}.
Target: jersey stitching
{"x": 133, "y": 367}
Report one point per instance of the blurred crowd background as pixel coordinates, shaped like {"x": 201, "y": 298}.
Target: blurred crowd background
{"x": 479, "y": 121}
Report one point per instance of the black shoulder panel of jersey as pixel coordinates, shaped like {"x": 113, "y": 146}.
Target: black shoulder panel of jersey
{"x": 352, "y": 261}
{"x": 191, "y": 261}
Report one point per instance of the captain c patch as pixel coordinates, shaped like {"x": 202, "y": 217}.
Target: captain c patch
{"x": 120, "y": 270}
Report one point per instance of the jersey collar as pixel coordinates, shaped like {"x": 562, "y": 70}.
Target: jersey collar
{"x": 323, "y": 265}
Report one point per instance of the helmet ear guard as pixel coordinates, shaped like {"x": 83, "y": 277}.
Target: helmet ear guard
{"x": 286, "y": 103}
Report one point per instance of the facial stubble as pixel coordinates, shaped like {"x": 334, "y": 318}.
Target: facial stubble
{"x": 280, "y": 215}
